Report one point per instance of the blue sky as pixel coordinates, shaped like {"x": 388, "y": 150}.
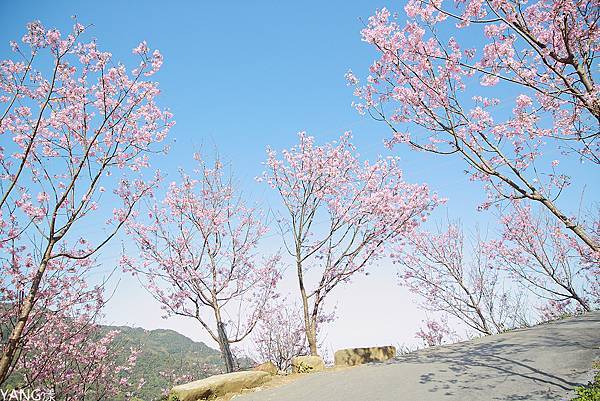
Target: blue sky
{"x": 244, "y": 75}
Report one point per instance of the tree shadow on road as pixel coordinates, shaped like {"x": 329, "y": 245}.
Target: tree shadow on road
{"x": 509, "y": 361}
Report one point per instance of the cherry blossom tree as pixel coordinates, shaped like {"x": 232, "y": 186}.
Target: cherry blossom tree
{"x": 180, "y": 372}
{"x": 281, "y": 336}
{"x": 469, "y": 288}
{"x": 70, "y": 118}
{"x": 436, "y": 332}
{"x": 198, "y": 255}
{"x": 89, "y": 366}
{"x": 63, "y": 352}
{"x": 63, "y": 297}
{"x": 445, "y": 82}
{"x": 340, "y": 214}
{"x": 555, "y": 266}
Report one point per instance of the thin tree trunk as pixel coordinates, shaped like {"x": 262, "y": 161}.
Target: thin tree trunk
{"x": 225, "y": 348}
{"x": 309, "y": 328}
{"x": 8, "y": 354}
{"x": 312, "y": 338}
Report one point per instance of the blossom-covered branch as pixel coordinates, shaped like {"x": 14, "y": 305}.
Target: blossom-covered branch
{"x": 469, "y": 288}
{"x": 198, "y": 253}
{"x": 64, "y": 133}
{"x": 340, "y": 214}
{"x": 544, "y": 259}
{"x": 451, "y": 93}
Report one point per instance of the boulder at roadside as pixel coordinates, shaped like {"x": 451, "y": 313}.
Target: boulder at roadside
{"x": 268, "y": 367}
{"x": 307, "y": 364}
{"x": 215, "y": 386}
{"x": 358, "y": 356}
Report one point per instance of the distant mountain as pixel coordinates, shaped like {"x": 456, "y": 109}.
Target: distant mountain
{"x": 165, "y": 356}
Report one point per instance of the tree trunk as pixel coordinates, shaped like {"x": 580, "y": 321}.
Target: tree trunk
{"x": 581, "y": 301}
{"x": 311, "y": 336}
{"x": 577, "y": 229}
{"x": 9, "y": 352}
{"x": 225, "y": 348}
{"x": 309, "y": 325}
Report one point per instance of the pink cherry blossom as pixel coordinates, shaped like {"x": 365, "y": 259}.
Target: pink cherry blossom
{"x": 436, "y": 333}
{"x": 537, "y": 56}
{"x": 540, "y": 255}
{"x": 198, "y": 256}
{"x": 281, "y": 336}
{"x": 340, "y": 214}
{"x": 71, "y": 117}
{"x": 435, "y": 266}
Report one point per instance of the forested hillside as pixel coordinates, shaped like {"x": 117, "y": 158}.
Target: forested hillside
{"x": 165, "y": 357}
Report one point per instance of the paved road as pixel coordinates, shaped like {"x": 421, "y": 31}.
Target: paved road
{"x": 539, "y": 363}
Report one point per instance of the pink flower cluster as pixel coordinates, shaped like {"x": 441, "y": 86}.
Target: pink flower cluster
{"x": 436, "y": 333}
{"x": 198, "y": 254}
{"x": 540, "y": 54}
{"x": 71, "y": 119}
{"x": 340, "y": 214}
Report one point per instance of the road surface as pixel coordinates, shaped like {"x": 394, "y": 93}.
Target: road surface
{"x": 540, "y": 363}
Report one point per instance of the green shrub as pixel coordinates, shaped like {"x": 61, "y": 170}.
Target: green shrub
{"x": 591, "y": 392}
{"x": 304, "y": 368}
{"x": 173, "y": 397}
